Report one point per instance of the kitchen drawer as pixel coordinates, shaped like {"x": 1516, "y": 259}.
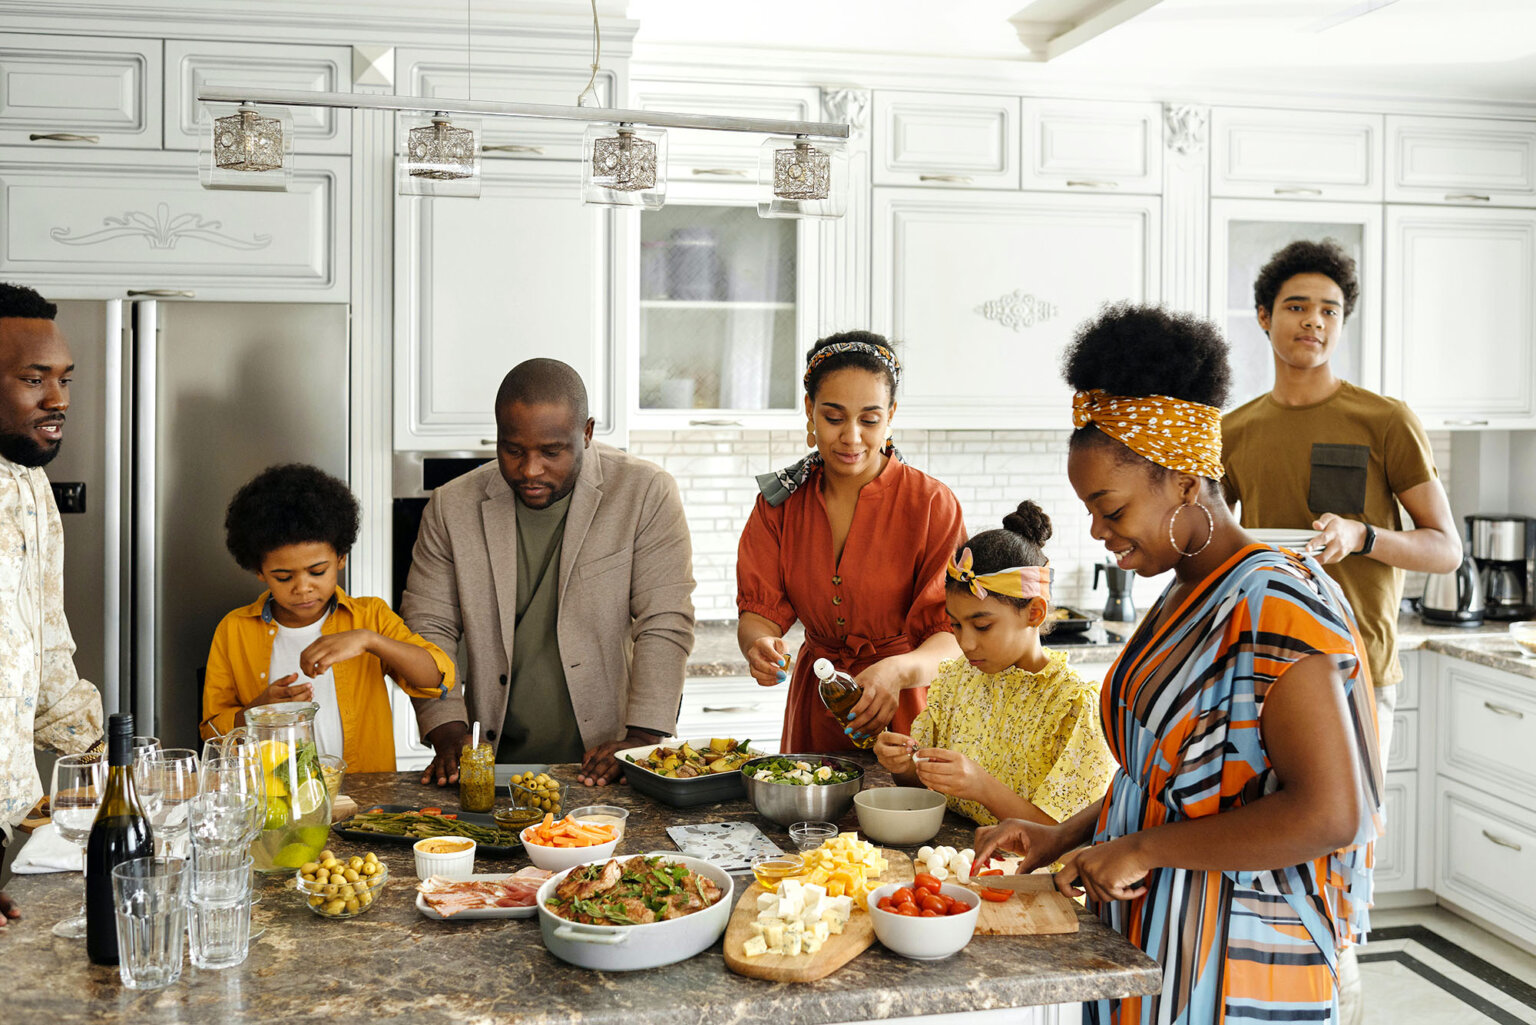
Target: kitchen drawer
{"x": 192, "y": 66}
{"x": 733, "y": 706}
{"x": 1296, "y": 154}
{"x": 1405, "y": 741}
{"x": 76, "y": 223}
{"x": 946, "y": 140}
{"x": 1092, "y": 147}
{"x": 531, "y": 79}
{"x": 1486, "y": 857}
{"x": 1395, "y": 852}
{"x": 1487, "y": 730}
{"x": 1461, "y": 161}
{"x": 710, "y": 156}
{"x": 105, "y": 90}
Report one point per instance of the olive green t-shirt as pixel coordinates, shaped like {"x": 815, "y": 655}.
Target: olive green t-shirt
{"x": 1350, "y": 455}
{"x": 540, "y": 724}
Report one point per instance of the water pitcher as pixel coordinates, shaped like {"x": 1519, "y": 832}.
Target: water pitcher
{"x": 298, "y": 803}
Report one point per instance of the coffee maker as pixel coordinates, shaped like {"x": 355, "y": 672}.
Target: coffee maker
{"x": 1118, "y": 608}
{"x": 1504, "y": 548}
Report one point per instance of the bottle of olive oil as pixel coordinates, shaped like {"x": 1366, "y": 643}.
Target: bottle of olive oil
{"x": 120, "y": 833}
{"x": 839, "y": 693}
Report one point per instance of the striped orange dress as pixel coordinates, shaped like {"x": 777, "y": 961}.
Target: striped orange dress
{"x": 1182, "y": 707}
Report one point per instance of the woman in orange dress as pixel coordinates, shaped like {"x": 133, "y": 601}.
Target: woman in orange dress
{"x": 852, "y": 542}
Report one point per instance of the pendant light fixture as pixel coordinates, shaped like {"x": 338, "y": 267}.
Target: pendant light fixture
{"x": 243, "y": 148}
{"x": 624, "y": 166}
{"x": 436, "y": 156}
{"x": 799, "y": 178}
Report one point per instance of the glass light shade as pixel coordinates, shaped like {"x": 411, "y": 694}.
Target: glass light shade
{"x": 802, "y": 177}
{"x": 245, "y": 148}
{"x": 438, "y": 157}
{"x": 624, "y": 166}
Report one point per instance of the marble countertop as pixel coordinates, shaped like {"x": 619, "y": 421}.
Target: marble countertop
{"x": 393, "y": 962}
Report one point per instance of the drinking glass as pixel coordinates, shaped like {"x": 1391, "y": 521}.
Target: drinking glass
{"x": 219, "y": 822}
{"x": 73, "y": 801}
{"x": 145, "y": 744}
{"x": 150, "y": 896}
{"x": 165, "y": 783}
{"x": 219, "y": 908}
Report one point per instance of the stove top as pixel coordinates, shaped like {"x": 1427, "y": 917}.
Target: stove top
{"x": 1089, "y": 636}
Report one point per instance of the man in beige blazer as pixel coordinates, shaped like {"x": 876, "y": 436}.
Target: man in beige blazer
{"x": 566, "y": 570}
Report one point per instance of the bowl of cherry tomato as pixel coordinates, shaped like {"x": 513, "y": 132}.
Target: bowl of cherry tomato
{"x": 925, "y": 919}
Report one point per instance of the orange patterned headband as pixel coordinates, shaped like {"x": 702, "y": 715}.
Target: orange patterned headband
{"x": 1015, "y": 582}
{"x": 1183, "y": 436}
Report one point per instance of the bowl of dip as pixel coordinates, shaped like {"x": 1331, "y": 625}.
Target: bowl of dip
{"x": 452, "y": 857}
{"x": 603, "y": 814}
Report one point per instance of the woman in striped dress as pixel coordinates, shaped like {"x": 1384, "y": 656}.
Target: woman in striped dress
{"x": 1234, "y": 843}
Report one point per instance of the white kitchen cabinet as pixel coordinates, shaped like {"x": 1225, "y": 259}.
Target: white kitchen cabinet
{"x": 1461, "y": 313}
{"x": 1461, "y": 161}
{"x": 481, "y": 285}
{"x": 1297, "y": 154}
{"x": 1083, "y": 146}
{"x": 1487, "y": 730}
{"x": 710, "y": 156}
{"x": 983, "y": 290}
{"x": 1485, "y": 860}
{"x": 1245, "y": 233}
{"x": 1396, "y": 851}
{"x": 733, "y": 706}
{"x": 192, "y": 66}
{"x": 531, "y": 78}
{"x": 87, "y": 224}
{"x": 79, "y": 92}
{"x": 951, "y": 140}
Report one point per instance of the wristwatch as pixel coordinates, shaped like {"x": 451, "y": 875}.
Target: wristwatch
{"x": 1369, "y": 542}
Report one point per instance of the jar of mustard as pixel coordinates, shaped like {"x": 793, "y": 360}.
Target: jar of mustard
{"x": 477, "y": 778}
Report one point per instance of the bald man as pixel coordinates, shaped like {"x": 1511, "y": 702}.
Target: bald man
{"x": 567, "y": 571}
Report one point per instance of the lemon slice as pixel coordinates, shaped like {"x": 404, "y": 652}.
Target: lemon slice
{"x": 273, "y": 754}
{"x": 310, "y": 795}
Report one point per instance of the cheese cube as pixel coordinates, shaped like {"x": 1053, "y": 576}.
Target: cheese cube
{"x": 768, "y": 915}
{"x": 775, "y": 937}
{"x": 758, "y": 928}
{"x": 833, "y": 923}
{"x": 819, "y": 932}
{"x": 767, "y": 900}
{"x": 754, "y": 947}
{"x": 811, "y": 945}
{"x": 842, "y": 907}
{"x": 812, "y": 913}
{"x": 793, "y": 945}
{"x": 811, "y": 893}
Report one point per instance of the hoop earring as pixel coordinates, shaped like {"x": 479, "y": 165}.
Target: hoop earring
{"x": 1210, "y": 529}
{"x": 810, "y": 433}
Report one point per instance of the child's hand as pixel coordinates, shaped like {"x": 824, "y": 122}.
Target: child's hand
{"x": 768, "y": 661}
{"x": 951, "y": 773}
{"x": 329, "y": 650}
{"x": 894, "y": 750}
{"x": 286, "y": 689}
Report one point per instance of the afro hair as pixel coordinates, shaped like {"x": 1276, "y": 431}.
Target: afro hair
{"x": 294, "y": 503}
{"x": 1327, "y": 258}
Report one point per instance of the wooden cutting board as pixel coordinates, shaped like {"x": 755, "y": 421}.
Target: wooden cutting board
{"x": 1039, "y": 911}
{"x": 856, "y": 937}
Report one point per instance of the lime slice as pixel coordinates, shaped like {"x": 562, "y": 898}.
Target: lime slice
{"x": 277, "y": 814}
{"x": 310, "y": 795}
{"x": 314, "y": 836}
{"x": 294, "y": 855}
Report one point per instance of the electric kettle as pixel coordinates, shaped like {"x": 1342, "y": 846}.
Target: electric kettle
{"x": 1454, "y": 599}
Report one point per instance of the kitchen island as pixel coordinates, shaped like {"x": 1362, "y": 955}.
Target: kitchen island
{"x": 394, "y": 963}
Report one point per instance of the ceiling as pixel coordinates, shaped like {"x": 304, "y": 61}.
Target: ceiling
{"x": 1446, "y": 49}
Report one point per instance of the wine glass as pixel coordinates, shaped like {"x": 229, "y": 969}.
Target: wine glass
{"x": 171, "y": 778}
{"x": 145, "y": 744}
{"x": 76, "y": 795}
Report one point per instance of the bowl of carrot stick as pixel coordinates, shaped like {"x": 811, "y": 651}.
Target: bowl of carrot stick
{"x": 558, "y": 844}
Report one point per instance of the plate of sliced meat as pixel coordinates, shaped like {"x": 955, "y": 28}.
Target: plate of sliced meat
{"x": 489, "y": 895}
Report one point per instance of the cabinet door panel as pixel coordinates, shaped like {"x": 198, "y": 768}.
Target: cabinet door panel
{"x": 1461, "y": 160}
{"x": 1487, "y": 721}
{"x": 1395, "y": 851}
{"x": 957, "y": 141}
{"x": 1486, "y": 857}
{"x": 698, "y": 155}
{"x": 1462, "y": 315}
{"x": 1301, "y": 154}
{"x": 524, "y": 271}
{"x": 967, "y": 281}
{"x": 1093, "y": 146}
{"x": 109, "y": 88}
{"x": 75, "y": 223}
{"x": 194, "y": 66}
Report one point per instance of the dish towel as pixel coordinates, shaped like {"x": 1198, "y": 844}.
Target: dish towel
{"x": 47, "y": 851}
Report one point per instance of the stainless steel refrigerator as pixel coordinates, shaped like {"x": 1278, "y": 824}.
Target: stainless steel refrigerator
{"x": 174, "y": 405}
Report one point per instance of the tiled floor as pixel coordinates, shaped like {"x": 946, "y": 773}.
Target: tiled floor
{"x": 1426, "y": 965}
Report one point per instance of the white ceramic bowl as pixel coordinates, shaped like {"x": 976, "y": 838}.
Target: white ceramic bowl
{"x": 1523, "y": 633}
{"x": 457, "y": 865}
{"x": 925, "y": 939}
{"x": 558, "y": 859}
{"x": 606, "y": 814}
{"x": 901, "y": 816}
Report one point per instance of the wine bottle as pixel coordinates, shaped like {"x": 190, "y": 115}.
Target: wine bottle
{"x": 120, "y": 833}
{"x": 839, "y": 692}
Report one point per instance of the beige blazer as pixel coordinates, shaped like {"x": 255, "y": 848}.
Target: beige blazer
{"x": 625, "y": 624}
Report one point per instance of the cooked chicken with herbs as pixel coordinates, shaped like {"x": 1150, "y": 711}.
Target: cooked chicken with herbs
{"x": 632, "y": 891}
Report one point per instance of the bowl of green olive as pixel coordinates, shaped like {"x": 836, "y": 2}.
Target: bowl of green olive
{"x": 342, "y": 887}
{"x": 530, "y": 795}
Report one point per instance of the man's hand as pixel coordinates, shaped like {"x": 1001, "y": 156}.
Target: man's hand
{"x": 768, "y": 661}
{"x": 447, "y": 740}
{"x": 599, "y": 767}
{"x": 329, "y": 650}
{"x": 1336, "y": 538}
{"x": 285, "y": 689}
{"x": 8, "y": 910}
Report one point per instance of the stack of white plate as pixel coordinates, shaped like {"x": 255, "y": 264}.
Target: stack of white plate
{"x": 1284, "y": 537}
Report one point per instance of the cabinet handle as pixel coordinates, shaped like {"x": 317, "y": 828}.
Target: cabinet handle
{"x": 714, "y": 423}
{"x": 723, "y": 172}
{"x": 1500, "y": 841}
{"x": 1454, "y": 196}
{"x": 958, "y": 179}
{"x": 1501, "y": 710}
{"x": 63, "y": 137}
{"x": 1296, "y": 190}
{"x": 1093, "y": 185}
{"x": 164, "y": 293}
{"x": 510, "y": 147}
{"x": 1466, "y": 423}
{"x": 733, "y": 708}
{"x": 488, "y": 441}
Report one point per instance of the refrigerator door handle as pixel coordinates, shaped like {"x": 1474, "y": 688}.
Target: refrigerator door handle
{"x": 115, "y": 692}
{"x": 145, "y": 372}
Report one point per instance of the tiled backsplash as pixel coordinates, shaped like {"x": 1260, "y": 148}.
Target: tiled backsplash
{"x": 989, "y": 471}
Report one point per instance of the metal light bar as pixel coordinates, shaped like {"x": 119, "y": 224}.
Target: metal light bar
{"x": 547, "y": 111}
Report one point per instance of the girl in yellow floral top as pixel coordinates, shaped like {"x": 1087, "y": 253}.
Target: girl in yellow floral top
{"x": 1010, "y": 731}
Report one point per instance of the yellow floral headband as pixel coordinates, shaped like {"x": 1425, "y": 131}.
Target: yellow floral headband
{"x": 1015, "y": 582}
{"x": 1183, "y": 436}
